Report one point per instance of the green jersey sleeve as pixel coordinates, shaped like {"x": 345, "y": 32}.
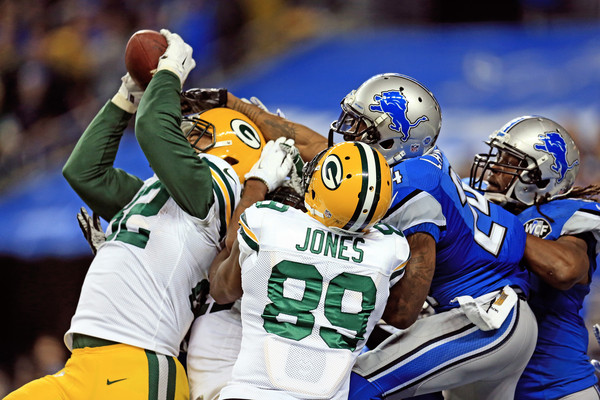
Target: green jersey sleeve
{"x": 89, "y": 169}
{"x": 177, "y": 165}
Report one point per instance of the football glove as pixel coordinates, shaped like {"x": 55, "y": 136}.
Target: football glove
{"x": 91, "y": 228}
{"x": 197, "y": 100}
{"x": 178, "y": 56}
{"x": 129, "y": 95}
{"x": 259, "y": 104}
{"x": 274, "y": 164}
{"x": 295, "y": 181}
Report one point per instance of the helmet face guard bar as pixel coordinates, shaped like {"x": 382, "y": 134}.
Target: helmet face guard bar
{"x": 201, "y": 128}
{"x": 354, "y": 127}
{"x": 486, "y": 163}
{"x": 309, "y": 169}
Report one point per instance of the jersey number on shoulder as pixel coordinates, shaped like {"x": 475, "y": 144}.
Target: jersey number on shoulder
{"x": 273, "y": 205}
{"x": 480, "y": 207}
{"x": 146, "y": 203}
{"x": 293, "y": 318}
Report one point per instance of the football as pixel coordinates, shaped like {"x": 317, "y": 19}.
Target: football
{"x": 143, "y": 50}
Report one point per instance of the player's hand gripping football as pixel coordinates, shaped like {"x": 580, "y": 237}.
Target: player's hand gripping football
{"x": 129, "y": 95}
{"x": 178, "y": 56}
{"x": 91, "y": 228}
{"x": 274, "y": 164}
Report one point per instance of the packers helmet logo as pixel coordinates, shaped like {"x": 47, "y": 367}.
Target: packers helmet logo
{"x": 331, "y": 172}
{"x": 246, "y": 133}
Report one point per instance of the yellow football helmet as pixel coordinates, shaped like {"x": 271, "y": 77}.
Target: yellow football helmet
{"x": 227, "y": 134}
{"x": 348, "y": 187}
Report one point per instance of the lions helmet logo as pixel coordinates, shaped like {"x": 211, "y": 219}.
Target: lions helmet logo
{"x": 394, "y": 104}
{"x": 554, "y": 144}
{"x": 331, "y": 172}
{"x": 538, "y": 227}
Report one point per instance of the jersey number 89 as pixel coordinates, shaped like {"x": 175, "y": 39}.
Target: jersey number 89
{"x": 302, "y": 309}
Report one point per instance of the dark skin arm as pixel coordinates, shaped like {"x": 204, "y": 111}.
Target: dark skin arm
{"x": 225, "y": 276}
{"x": 408, "y": 295}
{"x": 561, "y": 263}
{"x": 254, "y": 190}
{"x": 272, "y": 126}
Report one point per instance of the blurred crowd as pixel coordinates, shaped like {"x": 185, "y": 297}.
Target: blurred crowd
{"x": 60, "y": 58}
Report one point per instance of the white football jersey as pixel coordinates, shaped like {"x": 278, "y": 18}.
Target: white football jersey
{"x": 140, "y": 286}
{"x": 310, "y": 300}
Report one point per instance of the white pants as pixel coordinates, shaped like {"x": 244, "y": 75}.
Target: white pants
{"x": 448, "y": 352}
{"x": 213, "y": 348}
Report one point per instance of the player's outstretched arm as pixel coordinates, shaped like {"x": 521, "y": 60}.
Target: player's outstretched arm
{"x": 225, "y": 276}
{"x": 89, "y": 169}
{"x": 408, "y": 296}
{"x": 254, "y": 190}
{"x": 272, "y": 126}
{"x": 561, "y": 263}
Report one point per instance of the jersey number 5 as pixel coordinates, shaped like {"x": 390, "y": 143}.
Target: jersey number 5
{"x": 294, "y": 319}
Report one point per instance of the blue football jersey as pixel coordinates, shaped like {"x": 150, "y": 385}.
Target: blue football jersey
{"x": 560, "y": 364}
{"x": 479, "y": 244}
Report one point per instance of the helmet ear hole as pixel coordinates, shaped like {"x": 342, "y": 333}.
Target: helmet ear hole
{"x": 387, "y": 144}
{"x": 542, "y": 183}
{"x": 232, "y": 161}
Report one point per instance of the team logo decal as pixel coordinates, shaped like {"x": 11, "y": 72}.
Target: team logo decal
{"x": 331, "y": 172}
{"x": 246, "y": 133}
{"x": 538, "y": 227}
{"x": 394, "y": 104}
{"x": 554, "y": 144}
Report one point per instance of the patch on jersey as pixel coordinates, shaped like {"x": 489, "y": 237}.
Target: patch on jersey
{"x": 538, "y": 227}
{"x": 395, "y": 105}
{"x": 331, "y": 172}
{"x": 554, "y": 144}
{"x": 246, "y": 133}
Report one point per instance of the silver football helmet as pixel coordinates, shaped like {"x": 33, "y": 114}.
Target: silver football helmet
{"x": 393, "y": 113}
{"x": 544, "y": 162}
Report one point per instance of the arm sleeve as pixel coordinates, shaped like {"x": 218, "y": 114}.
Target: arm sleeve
{"x": 89, "y": 169}
{"x": 417, "y": 212}
{"x": 177, "y": 165}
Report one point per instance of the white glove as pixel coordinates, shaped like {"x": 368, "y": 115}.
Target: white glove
{"x": 274, "y": 164}
{"x": 178, "y": 56}
{"x": 295, "y": 181}
{"x": 92, "y": 229}
{"x": 129, "y": 95}
{"x": 259, "y": 104}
